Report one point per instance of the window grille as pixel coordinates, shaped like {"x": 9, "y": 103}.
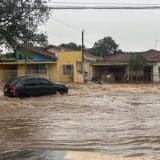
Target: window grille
{"x": 68, "y": 70}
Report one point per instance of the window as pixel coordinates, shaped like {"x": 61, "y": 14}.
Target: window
{"x": 68, "y": 70}
{"x": 44, "y": 82}
{"x": 36, "y": 68}
{"x": 30, "y": 82}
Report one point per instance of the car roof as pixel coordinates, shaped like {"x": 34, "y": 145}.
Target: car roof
{"x": 23, "y": 77}
{"x": 28, "y": 77}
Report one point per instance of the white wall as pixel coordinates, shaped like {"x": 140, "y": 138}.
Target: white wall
{"x": 156, "y": 72}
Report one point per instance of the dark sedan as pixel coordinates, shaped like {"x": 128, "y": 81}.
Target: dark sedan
{"x": 32, "y": 86}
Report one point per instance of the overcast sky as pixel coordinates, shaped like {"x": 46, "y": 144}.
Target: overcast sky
{"x": 133, "y": 30}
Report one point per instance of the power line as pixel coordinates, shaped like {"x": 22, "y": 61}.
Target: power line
{"x": 106, "y": 7}
{"x": 102, "y": 3}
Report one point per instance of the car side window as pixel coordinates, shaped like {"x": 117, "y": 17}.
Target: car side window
{"x": 43, "y": 82}
{"x": 30, "y": 82}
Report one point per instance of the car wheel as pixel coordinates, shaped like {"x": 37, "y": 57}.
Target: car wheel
{"x": 62, "y": 92}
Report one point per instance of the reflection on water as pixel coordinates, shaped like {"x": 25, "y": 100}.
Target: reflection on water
{"x": 113, "y": 124}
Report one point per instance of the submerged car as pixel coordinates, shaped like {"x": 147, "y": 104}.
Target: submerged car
{"x": 32, "y": 86}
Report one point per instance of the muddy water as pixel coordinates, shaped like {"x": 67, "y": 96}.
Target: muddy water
{"x": 125, "y": 124}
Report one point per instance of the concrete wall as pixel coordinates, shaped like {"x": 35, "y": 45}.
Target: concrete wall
{"x": 88, "y": 71}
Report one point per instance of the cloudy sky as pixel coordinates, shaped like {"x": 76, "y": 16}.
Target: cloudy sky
{"x": 133, "y": 30}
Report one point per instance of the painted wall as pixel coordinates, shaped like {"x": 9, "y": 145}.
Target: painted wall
{"x": 7, "y": 72}
{"x": 21, "y": 70}
{"x": 51, "y": 71}
{"x": 67, "y": 58}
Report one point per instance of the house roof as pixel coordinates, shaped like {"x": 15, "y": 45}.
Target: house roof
{"x": 150, "y": 55}
{"x": 38, "y": 50}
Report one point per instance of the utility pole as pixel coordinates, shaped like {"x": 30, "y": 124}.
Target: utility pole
{"x": 82, "y": 51}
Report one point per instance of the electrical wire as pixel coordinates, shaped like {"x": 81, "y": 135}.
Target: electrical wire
{"x": 98, "y": 3}
{"x": 101, "y": 5}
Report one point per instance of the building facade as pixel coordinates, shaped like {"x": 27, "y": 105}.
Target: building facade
{"x": 68, "y": 65}
{"x": 115, "y": 68}
{"x": 65, "y": 65}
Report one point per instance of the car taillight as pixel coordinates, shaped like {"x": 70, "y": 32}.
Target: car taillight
{"x": 13, "y": 89}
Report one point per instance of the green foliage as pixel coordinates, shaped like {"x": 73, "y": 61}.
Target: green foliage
{"x": 104, "y": 47}
{"x": 20, "y": 19}
{"x": 137, "y": 62}
{"x": 9, "y": 55}
{"x": 71, "y": 45}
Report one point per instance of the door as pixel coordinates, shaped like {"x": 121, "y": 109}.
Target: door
{"x": 31, "y": 87}
{"x": 46, "y": 87}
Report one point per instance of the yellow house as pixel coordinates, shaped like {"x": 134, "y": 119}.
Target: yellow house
{"x": 68, "y": 65}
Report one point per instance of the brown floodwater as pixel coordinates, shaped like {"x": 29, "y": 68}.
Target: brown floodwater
{"x": 87, "y": 120}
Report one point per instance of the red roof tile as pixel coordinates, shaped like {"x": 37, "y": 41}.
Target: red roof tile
{"x": 150, "y": 55}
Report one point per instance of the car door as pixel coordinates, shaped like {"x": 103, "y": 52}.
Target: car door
{"x": 31, "y": 87}
{"x": 46, "y": 87}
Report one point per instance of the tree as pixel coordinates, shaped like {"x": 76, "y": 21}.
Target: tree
{"x": 136, "y": 63}
{"x": 20, "y": 19}
{"x": 71, "y": 45}
{"x": 104, "y": 47}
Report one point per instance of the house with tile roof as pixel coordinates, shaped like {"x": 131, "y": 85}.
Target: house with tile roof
{"x": 115, "y": 68}
{"x": 37, "y": 62}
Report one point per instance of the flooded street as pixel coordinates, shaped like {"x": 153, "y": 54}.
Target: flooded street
{"x": 109, "y": 122}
